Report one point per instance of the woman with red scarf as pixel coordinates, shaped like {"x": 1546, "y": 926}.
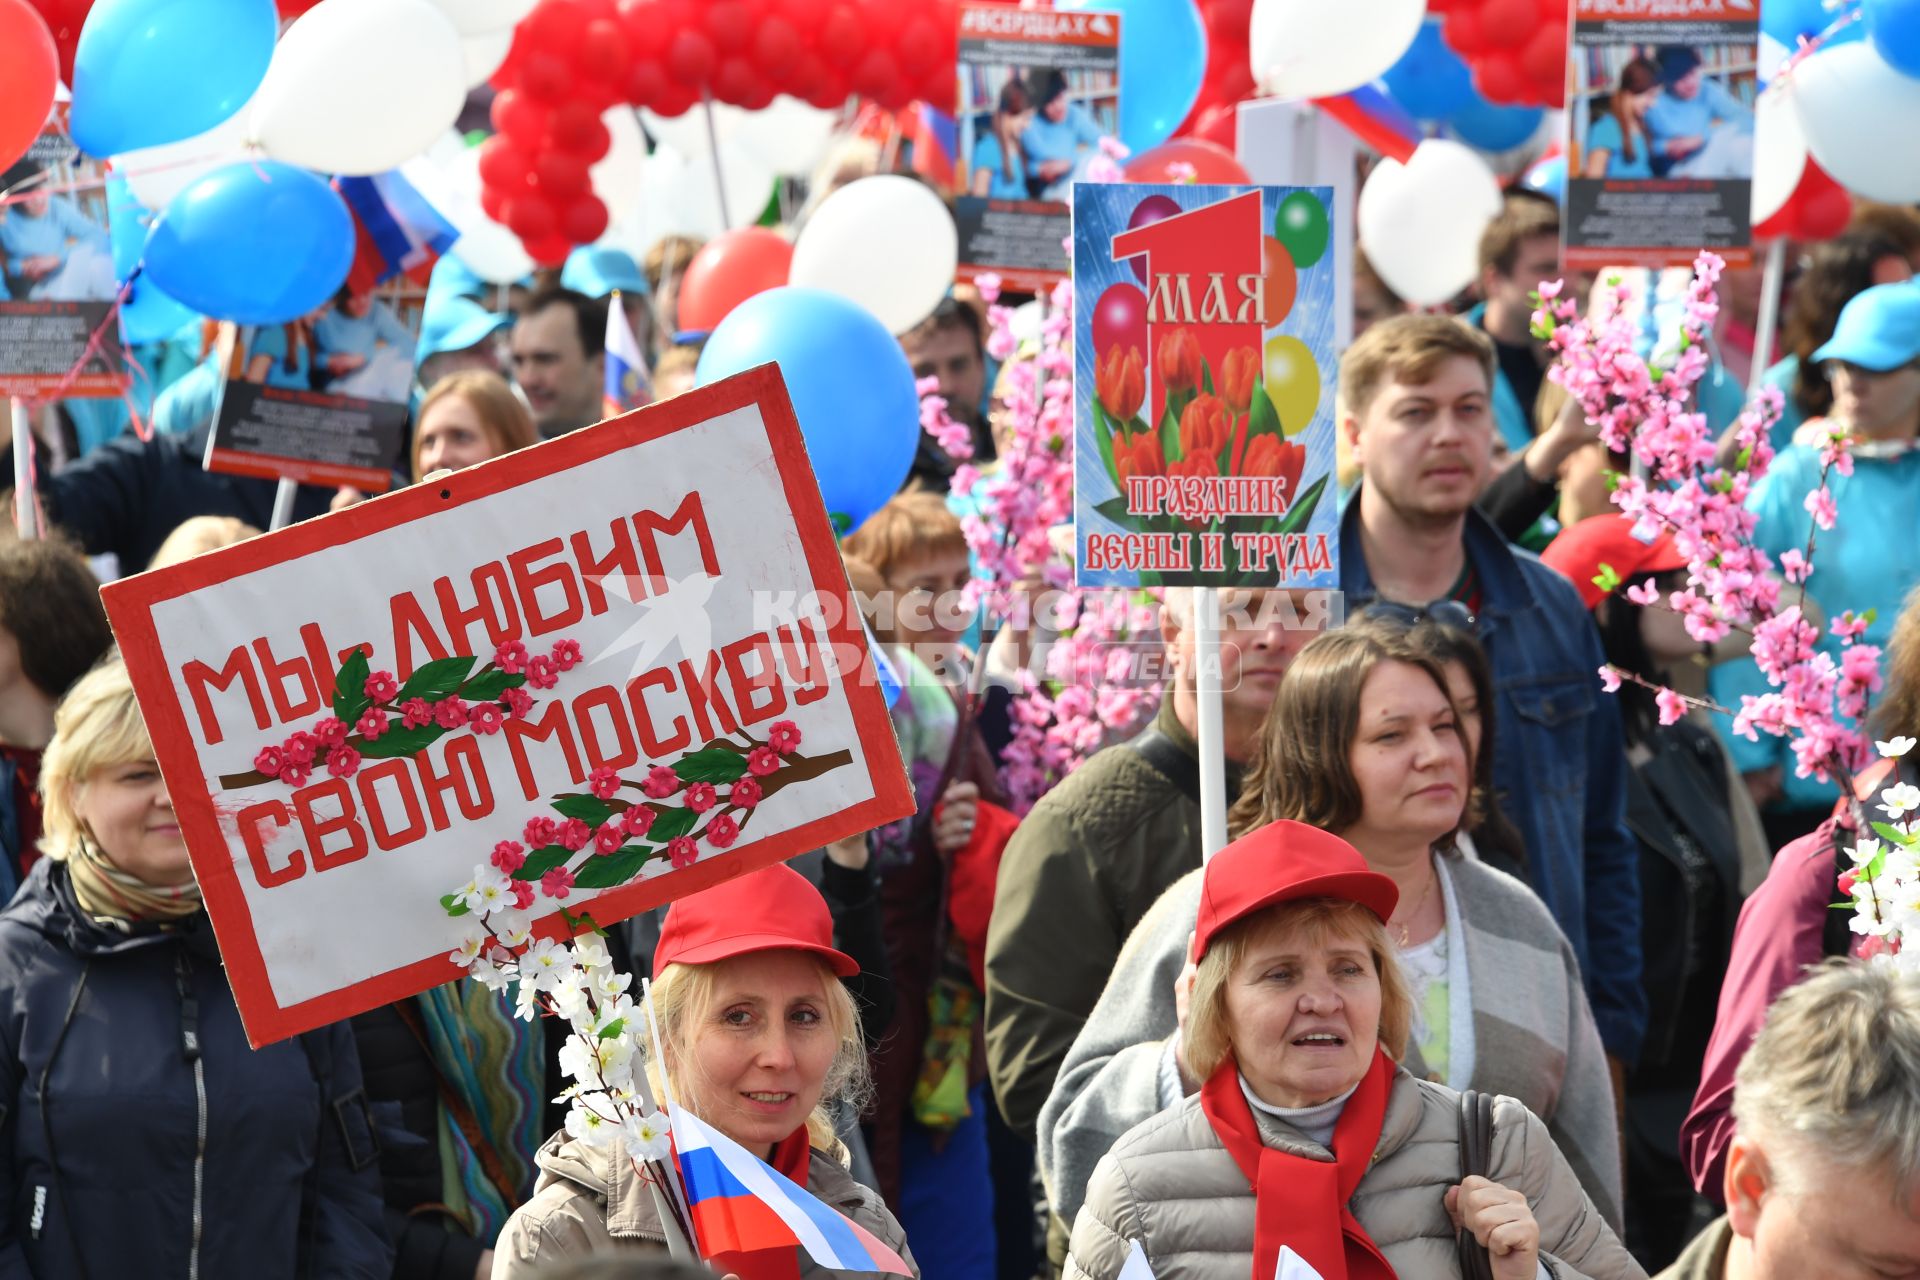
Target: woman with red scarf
{"x": 761, "y": 1036}
{"x": 1309, "y": 1152}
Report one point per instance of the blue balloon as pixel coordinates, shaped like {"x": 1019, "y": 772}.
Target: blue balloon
{"x": 1894, "y": 28}
{"x": 852, "y": 389}
{"x": 153, "y": 71}
{"x": 1788, "y": 20}
{"x": 253, "y": 243}
{"x": 1491, "y": 128}
{"x": 1549, "y": 177}
{"x": 1430, "y": 81}
{"x": 1163, "y": 61}
{"x": 147, "y": 315}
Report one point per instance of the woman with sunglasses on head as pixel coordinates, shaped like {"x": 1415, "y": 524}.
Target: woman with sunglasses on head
{"x": 1365, "y": 741}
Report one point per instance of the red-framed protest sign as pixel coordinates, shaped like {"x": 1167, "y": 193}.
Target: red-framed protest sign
{"x": 681, "y": 560}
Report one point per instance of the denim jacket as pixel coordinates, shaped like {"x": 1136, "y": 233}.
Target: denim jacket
{"x": 1559, "y": 765}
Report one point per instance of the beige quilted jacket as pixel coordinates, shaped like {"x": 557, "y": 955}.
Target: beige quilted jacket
{"x": 1170, "y": 1184}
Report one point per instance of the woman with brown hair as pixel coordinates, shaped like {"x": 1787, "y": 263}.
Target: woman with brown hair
{"x": 1617, "y": 142}
{"x": 1365, "y": 741}
{"x": 999, "y": 161}
{"x": 466, "y": 418}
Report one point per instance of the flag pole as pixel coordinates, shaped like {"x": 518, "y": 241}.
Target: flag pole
{"x": 26, "y": 512}
{"x": 1210, "y": 736}
{"x": 713, "y": 154}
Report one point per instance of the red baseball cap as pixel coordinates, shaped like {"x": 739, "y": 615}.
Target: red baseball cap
{"x": 1282, "y": 862}
{"x": 1581, "y": 549}
{"x": 772, "y": 909}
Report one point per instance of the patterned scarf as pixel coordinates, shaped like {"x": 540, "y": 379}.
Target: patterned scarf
{"x": 105, "y": 891}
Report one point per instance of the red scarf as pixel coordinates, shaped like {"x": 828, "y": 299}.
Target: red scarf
{"x": 790, "y": 1158}
{"x": 1298, "y": 1202}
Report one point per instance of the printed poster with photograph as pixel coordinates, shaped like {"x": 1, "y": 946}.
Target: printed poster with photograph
{"x": 321, "y": 399}
{"x": 57, "y": 286}
{"x": 1038, "y": 90}
{"x": 1204, "y": 386}
{"x": 1661, "y": 122}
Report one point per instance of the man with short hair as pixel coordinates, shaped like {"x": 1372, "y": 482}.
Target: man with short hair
{"x": 1823, "y": 1176}
{"x": 559, "y": 359}
{"x": 1682, "y": 118}
{"x": 1519, "y": 249}
{"x": 1417, "y": 413}
{"x": 949, "y": 345}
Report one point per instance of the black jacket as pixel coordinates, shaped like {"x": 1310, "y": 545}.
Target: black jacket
{"x": 126, "y": 496}
{"x": 122, "y": 1059}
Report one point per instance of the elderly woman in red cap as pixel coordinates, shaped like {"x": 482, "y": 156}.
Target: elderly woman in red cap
{"x": 1309, "y": 1152}
{"x": 760, "y": 1035}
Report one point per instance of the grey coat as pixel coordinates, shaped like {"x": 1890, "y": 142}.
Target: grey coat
{"x": 1534, "y": 1037}
{"x": 1171, "y": 1185}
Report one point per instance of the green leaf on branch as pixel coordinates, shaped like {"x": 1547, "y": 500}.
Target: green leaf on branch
{"x": 395, "y": 743}
{"x": 613, "y": 869}
{"x": 453, "y": 905}
{"x": 1262, "y": 418}
{"x": 350, "y": 688}
{"x": 613, "y": 1029}
{"x": 591, "y": 810}
{"x": 1115, "y": 509}
{"x": 437, "y": 679}
{"x": 489, "y": 685}
{"x": 672, "y": 824}
{"x": 713, "y": 764}
{"x": 543, "y": 860}
{"x": 1891, "y": 834}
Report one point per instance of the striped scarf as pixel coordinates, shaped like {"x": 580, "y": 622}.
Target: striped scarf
{"x": 493, "y": 1062}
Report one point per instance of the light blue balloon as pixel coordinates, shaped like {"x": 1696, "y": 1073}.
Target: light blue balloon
{"x": 148, "y": 72}
{"x": 147, "y": 315}
{"x": 851, "y": 385}
{"x": 1894, "y": 28}
{"x": 1482, "y": 124}
{"x": 1163, "y": 61}
{"x": 253, "y": 243}
{"x": 1430, "y": 81}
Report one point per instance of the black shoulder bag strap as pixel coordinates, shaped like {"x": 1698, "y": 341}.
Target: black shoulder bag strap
{"x": 1476, "y": 1161}
{"x": 1166, "y": 758}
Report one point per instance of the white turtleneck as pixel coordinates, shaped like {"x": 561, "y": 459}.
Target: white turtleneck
{"x": 1316, "y": 1122}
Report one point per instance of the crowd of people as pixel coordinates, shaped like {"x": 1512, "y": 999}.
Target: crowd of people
{"x": 1499, "y": 974}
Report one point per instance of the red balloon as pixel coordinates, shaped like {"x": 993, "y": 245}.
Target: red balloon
{"x": 30, "y": 70}
{"x": 735, "y": 80}
{"x": 556, "y": 26}
{"x": 64, "y": 20}
{"x": 521, "y": 118}
{"x": 493, "y": 202}
{"x": 583, "y": 219}
{"x": 548, "y": 251}
{"x": 729, "y": 269}
{"x": 841, "y": 41}
{"x": 562, "y": 173}
{"x": 504, "y": 163}
{"x": 1211, "y": 162}
{"x": 1120, "y": 319}
{"x": 877, "y": 75}
{"x": 919, "y": 48}
{"x": 1465, "y": 33}
{"x": 604, "y": 54}
{"x": 529, "y": 215}
{"x": 730, "y": 24}
{"x": 775, "y": 45}
{"x": 577, "y": 128}
{"x": 1508, "y": 23}
{"x": 294, "y": 8}
{"x": 645, "y": 84}
{"x": 807, "y": 15}
{"x": 1219, "y": 124}
{"x": 1818, "y": 209}
{"x": 690, "y": 59}
{"x": 546, "y": 77}
{"x": 649, "y": 27}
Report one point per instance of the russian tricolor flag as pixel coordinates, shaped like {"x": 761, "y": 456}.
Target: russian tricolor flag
{"x": 627, "y": 387}
{"x": 741, "y": 1204}
{"x": 395, "y": 229}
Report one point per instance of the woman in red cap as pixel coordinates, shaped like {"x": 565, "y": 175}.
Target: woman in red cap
{"x": 1701, "y": 848}
{"x": 1309, "y": 1152}
{"x": 760, "y": 1036}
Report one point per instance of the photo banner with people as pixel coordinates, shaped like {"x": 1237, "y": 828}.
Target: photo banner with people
{"x": 1038, "y": 89}
{"x": 1660, "y": 123}
{"x": 1204, "y": 373}
{"x": 627, "y": 671}
{"x": 59, "y": 334}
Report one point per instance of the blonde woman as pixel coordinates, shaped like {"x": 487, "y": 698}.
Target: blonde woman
{"x": 760, "y": 1037}
{"x": 143, "y": 1135}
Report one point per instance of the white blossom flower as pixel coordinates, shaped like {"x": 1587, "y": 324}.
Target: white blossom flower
{"x": 590, "y": 953}
{"x": 569, "y": 995}
{"x": 491, "y": 973}
{"x": 610, "y": 983}
{"x": 526, "y": 1003}
{"x": 648, "y": 1137}
{"x": 545, "y": 963}
{"x": 1899, "y": 800}
{"x": 592, "y": 1128}
{"x": 470, "y": 948}
{"x": 515, "y": 930}
{"x": 1864, "y": 852}
{"x": 1894, "y": 748}
{"x": 489, "y": 890}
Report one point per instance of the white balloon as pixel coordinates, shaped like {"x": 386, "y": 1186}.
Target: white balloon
{"x": 885, "y": 242}
{"x": 687, "y": 132}
{"x": 789, "y": 136}
{"x": 448, "y": 175}
{"x": 157, "y": 174}
{"x": 1319, "y": 48}
{"x": 484, "y": 53}
{"x": 473, "y": 17}
{"x": 1779, "y": 151}
{"x": 1420, "y": 223}
{"x": 679, "y": 196}
{"x": 1862, "y": 121}
{"x": 618, "y": 174}
{"x": 358, "y": 86}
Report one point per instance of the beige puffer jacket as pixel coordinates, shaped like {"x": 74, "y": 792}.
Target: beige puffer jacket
{"x": 1170, "y": 1184}
{"x": 587, "y": 1203}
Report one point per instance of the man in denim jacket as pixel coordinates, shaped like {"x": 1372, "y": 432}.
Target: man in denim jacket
{"x": 1417, "y": 411}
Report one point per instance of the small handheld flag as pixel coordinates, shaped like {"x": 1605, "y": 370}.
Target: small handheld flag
{"x": 1137, "y": 1267}
{"x": 741, "y": 1204}
{"x": 627, "y": 386}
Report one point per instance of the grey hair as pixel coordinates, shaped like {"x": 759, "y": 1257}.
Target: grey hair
{"x": 1834, "y": 1075}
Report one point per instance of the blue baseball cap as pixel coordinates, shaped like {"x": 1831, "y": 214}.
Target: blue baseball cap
{"x": 1878, "y": 330}
{"x": 597, "y": 272}
{"x": 455, "y": 322}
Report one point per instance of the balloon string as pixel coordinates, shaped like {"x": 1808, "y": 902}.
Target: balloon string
{"x": 27, "y": 188}
{"x": 93, "y": 343}
{"x": 1810, "y": 45}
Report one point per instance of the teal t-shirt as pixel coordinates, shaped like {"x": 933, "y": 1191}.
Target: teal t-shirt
{"x": 1605, "y": 136}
